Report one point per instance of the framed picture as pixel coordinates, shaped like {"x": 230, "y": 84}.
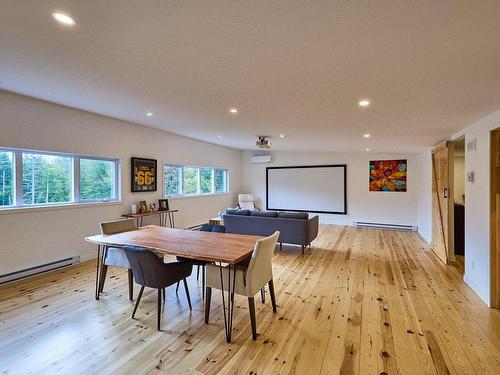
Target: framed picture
{"x": 143, "y": 175}
{"x": 388, "y": 175}
{"x": 143, "y": 206}
{"x": 163, "y": 205}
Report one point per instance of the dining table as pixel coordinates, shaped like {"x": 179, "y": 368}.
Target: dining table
{"x": 220, "y": 248}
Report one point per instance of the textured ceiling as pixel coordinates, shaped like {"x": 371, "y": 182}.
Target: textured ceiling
{"x": 299, "y": 68}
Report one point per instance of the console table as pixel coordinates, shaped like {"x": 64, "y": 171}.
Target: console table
{"x": 164, "y": 216}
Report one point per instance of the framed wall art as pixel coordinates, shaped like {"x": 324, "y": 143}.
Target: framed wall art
{"x": 388, "y": 175}
{"x": 143, "y": 175}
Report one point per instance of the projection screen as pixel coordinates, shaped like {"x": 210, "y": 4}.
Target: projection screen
{"x": 311, "y": 188}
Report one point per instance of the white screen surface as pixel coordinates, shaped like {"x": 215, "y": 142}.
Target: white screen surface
{"x": 310, "y": 188}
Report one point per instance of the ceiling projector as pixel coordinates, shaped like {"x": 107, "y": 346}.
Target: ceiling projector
{"x": 263, "y": 142}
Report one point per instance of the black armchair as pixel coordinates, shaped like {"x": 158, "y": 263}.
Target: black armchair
{"x": 149, "y": 271}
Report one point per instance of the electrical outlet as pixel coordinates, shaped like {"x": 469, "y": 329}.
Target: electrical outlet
{"x": 473, "y": 265}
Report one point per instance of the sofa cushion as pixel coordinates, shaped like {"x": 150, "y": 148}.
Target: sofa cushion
{"x": 264, "y": 213}
{"x": 236, "y": 211}
{"x": 294, "y": 215}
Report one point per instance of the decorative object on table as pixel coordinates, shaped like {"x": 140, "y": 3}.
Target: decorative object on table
{"x": 163, "y": 205}
{"x": 143, "y": 206}
{"x": 143, "y": 175}
{"x": 388, "y": 175}
{"x": 166, "y": 217}
{"x": 133, "y": 208}
{"x": 152, "y": 206}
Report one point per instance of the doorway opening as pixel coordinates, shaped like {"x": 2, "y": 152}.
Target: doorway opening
{"x": 457, "y": 205}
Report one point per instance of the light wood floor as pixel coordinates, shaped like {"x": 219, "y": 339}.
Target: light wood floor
{"x": 362, "y": 302}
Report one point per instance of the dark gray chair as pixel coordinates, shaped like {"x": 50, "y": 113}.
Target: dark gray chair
{"x": 201, "y": 263}
{"x": 150, "y": 271}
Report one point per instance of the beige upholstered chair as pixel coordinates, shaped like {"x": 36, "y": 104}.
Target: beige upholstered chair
{"x": 250, "y": 277}
{"x": 116, "y": 257}
{"x": 246, "y": 202}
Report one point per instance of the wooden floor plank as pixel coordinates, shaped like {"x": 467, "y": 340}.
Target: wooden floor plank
{"x": 362, "y": 301}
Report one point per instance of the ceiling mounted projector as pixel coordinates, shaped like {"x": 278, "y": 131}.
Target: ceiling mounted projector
{"x": 263, "y": 142}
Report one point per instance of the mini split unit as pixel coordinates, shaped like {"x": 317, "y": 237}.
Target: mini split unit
{"x": 260, "y": 159}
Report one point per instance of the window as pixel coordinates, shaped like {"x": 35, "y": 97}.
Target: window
{"x": 6, "y": 179}
{"x": 97, "y": 179}
{"x": 173, "y": 180}
{"x": 49, "y": 179}
{"x": 220, "y": 180}
{"x": 206, "y": 180}
{"x": 189, "y": 180}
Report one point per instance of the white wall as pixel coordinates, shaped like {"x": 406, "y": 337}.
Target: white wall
{"x": 362, "y": 205}
{"x": 32, "y": 237}
{"x": 477, "y": 203}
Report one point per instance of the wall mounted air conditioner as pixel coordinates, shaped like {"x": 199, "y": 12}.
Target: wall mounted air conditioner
{"x": 261, "y": 159}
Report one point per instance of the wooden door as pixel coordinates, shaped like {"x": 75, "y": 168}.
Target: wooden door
{"x": 495, "y": 218}
{"x": 440, "y": 194}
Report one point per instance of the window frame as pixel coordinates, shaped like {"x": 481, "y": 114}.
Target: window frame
{"x": 181, "y": 182}
{"x": 6, "y": 207}
{"x": 75, "y": 181}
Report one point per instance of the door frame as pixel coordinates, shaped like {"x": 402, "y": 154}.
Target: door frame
{"x": 494, "y": 220}
{"x": 436, "y": 190}
{"x": 451, "y": 208}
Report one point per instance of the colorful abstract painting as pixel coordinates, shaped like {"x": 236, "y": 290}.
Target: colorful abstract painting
{"x": 388, "y": 175}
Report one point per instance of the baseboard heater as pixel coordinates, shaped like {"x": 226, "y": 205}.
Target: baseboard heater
{"x": 21, "y": 274}
{"x": 365, "y": 224}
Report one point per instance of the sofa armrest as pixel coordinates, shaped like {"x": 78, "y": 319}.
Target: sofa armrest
{"x": 312, "y": 228}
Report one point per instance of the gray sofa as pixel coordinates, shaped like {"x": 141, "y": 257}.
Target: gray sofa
{"x": 295, "y": 227}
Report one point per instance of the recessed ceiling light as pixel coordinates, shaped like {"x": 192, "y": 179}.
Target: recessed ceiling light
{"x": 367, "y": 149}
{"x": 233, "y": 110}
{"x": 364, "y": 103}
{"x": 149, "y": 114}
{"x": 63, "y": 18}
{"x": 282, "y": 136}
{"x": 366, "y": 135}
{"x": 220, "y": 136}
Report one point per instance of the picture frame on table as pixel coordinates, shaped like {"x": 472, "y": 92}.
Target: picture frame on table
{"x": 163, "y": 205}
{"x": 143, "y": 207}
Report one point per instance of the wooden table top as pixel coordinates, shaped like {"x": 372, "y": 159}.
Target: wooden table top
{"x": 148, "y": 213}
{"x": 209, "y": 246}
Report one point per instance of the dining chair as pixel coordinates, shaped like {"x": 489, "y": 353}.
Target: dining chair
{"x": 201, "y": 263}
{"x": 249, "y": 278}
{"x": 114, "y": 256}
{"x": 150, "y": 271}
